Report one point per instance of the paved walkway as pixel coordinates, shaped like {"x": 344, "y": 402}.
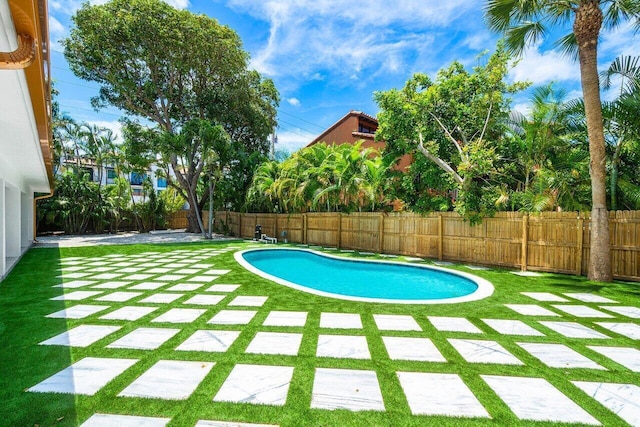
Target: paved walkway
{"x": 124, "y": 238}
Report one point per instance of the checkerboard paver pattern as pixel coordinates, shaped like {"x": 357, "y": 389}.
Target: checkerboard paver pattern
{"x": 164, "y": 293}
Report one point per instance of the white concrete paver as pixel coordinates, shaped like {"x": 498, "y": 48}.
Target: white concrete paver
{"x": 483, "y": 351}
{"x": 625, "y": 356}
{"x": 204, "y": 299}
{"x": 256, "y": 384}
{"x": 281, "y": 343}
{"x": 453, "y": 324}
{"x": 248, "y": 301}
{"x": 536, "y": 399}
{"x": 210, "y": 341}
{"x": 512, "y": 327}
{"x": 232, "y": 317}
{"x": 187, "y": 287}
{"x": 109, "y": 420}
{"x": 530, "y": 310}
{"x": 587, "y": 297}
{"x": 343, "y": 346}
{"x": 340, "y": 321}
{"x": 81, "y": 336}
{"x": 129, "y": 313}
{"x": 621, "y": 399}
{"x": 392, "y": 322}
{"x": 148, "y": 286}
{"x": 119, "y": 296}
{"x": 544, "y": 296}
{"x": 223, "y": 288}
{"x": 573, "y": 330}
{"x": 76, "y": 296}
{"x": 86, "y": 376}
{"x": 633, "y": 312}
{"x": 111, "y": 285}
{"x": 169, "y": 379}
{"x": 170, "y": 277}
{"x": 412, "y": 348}
{"x": 286, "y": 318}
{"x": 354, "y": 390}
{"x": 78, "y": 311}
{"x": 559, "y": 356}
{"x": 440, "y": 394}
{"x": 75, "y": 284}
{"x": 145, "y": 338}
{"x": 582, "y": 311}
{"x": 629, "y": 330}
{"x": 160, "y": 298}
{"x": 179, "y": 315}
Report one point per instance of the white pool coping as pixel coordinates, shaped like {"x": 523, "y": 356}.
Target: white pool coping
{"x": 485, "y": 288}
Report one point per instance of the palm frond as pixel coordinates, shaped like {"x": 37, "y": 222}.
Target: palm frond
{"x": 520, "y": 36}
{"x": 568, "y": 46}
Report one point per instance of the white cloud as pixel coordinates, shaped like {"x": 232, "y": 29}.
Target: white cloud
{"x": 619, "y": 41}
{"x": 543, "y": 67}
{"x": 293, "y": 101}
{"x": 310, "y": 39}
{"x": 294, "y": 139}
{"x": 178, "y": 4}
{"x": 115, "y": 127}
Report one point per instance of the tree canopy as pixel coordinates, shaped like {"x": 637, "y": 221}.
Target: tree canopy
{"x": 172, "y": 68}
{"x": 456, "y": 122}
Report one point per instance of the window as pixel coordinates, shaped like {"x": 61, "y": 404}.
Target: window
{"x": 162, "y": 182}
{"x": 138, "y": 178}
{"x": 111, "y": 175}
{"x": 136, "y": 191}
{"x": 365, "y": 129}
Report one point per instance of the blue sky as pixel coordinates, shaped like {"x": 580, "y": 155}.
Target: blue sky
{"x": 328, "y": 57}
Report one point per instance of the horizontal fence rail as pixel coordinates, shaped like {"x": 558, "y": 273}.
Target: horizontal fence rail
{"x": 555, "y": 242}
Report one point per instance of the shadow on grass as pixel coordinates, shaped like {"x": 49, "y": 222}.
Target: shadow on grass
{"x": 24, "y": 301}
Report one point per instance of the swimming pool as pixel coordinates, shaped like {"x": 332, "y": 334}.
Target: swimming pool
{"x": 363, "y": 280}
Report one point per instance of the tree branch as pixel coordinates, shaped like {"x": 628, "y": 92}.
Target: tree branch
{"x": 438, "y": 161}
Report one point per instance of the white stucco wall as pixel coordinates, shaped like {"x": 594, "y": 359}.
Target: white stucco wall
{"x": 22, "y": 169}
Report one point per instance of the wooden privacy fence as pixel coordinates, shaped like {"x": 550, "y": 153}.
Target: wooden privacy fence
{"x": 551, "y": 241}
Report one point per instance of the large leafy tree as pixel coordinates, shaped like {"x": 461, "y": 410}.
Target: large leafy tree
{"x": 456, "y": 122}
{"x": 525, "y": 22}
{"x": 170, "y": 68}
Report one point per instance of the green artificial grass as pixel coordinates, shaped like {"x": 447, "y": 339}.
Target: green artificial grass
{"x": 24, "y": 301}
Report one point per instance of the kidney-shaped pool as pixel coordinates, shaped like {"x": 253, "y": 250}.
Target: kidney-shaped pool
{"x": 363, "y": 280}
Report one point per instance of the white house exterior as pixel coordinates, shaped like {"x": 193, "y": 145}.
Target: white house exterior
{"x": 25, "y": 125}
{"x": 106, "y": 174}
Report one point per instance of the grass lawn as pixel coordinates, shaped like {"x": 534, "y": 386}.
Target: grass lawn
{"x": 25, "y": 300}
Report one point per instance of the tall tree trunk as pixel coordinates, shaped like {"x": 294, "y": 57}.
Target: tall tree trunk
{"x": 586, "y": 29}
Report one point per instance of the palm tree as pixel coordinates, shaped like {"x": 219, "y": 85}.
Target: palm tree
{"x": 526, "y": 21}
{"x": 622, "y": 123}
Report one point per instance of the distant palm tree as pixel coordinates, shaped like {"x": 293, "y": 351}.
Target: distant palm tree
{"x": 525, "y": 22}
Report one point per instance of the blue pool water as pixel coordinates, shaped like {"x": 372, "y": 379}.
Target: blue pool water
{"x": 366, "y": 279}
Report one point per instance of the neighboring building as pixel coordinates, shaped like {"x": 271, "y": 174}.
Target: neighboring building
{"x": 26, "y": 160}
{"x": 353, "y": 127}
{"x": 106, "y": 174}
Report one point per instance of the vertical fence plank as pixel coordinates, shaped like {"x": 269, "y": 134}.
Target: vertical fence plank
{"x": 525, "y": 242}
{"x": 339, "y": 244}
{"x": 440, "y": 236}
{"x": 381, "y": 232}
{"x": 578, "y": 256}
{"x": 304, "y": 228}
